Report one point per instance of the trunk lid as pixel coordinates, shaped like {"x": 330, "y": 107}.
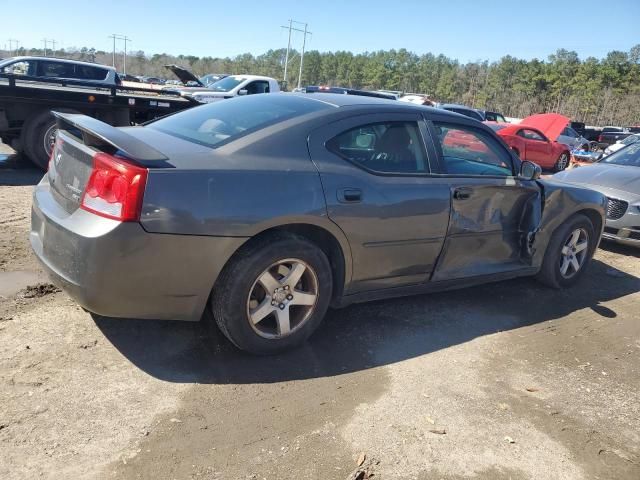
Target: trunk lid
{"x": 69, "y": 170}
{"x": 79, "y": 138}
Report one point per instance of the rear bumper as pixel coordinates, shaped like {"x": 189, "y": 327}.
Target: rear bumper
{"x": 118, "y": 269}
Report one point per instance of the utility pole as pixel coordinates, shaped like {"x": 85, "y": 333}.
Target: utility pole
{"x": 114, "y": 36}
{"x": 124, "y": 60}
{"x": 11, "y": 41}
{"x": 126, "y": 39}
{"x": 46, "y": 41}
{"x": 286, "y": 58}
{"x": 304, "y": 40}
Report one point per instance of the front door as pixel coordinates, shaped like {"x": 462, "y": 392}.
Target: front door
{"x": 537, "y": 147}
{"x": 488, "y": 204}
{"x": 379, "y": 190}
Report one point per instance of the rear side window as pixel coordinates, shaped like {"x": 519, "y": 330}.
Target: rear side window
{"x": 224, "y": 121}
{"x": 392, "y": 147}
{"x": 86, "y": 72}
{"x": 55, "y": 69}
{"x": 467, "y": 151}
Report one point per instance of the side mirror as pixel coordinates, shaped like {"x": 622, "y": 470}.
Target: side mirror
{"x": 243, "y": 92}
{"x": 530, "y": 171}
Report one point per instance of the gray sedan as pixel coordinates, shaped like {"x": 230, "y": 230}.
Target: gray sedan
{"x": 618, "y": 177}
{"x": 265, "y": 210}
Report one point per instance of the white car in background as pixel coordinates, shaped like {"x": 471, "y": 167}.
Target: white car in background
{"x": 237, "y": 85}
{"x": 633, "y": 138}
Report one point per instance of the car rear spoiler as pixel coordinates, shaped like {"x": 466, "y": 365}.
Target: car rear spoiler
{"x": 93, "y": 129}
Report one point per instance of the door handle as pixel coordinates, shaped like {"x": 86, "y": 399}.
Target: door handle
{"x": 461, "y": 193}
{"x": 349, "y": 195}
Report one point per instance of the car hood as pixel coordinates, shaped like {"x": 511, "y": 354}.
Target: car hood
{"x": 616, "y": 177}
{"x": 551, "y": 124}
{"x": 183, "y": 74}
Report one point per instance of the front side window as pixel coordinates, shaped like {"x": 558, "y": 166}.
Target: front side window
{"x": 257, "y": 87}
{"x": 19, "y": 68}
{"x": 467, "y": 151}
{"x": 531, "y": 135}
{"x": 390, "y": 147}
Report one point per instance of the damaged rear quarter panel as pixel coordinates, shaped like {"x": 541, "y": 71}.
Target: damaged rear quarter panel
{"x": 560, "y": 201}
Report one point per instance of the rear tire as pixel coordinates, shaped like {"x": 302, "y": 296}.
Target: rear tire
{"x": 560, "y": 251}
{"x": 255, "y": 305}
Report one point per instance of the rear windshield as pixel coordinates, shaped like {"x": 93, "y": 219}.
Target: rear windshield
{"x": 225, "y": 120}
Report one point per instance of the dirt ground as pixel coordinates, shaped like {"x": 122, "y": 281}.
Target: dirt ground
{"x": 504, "y": 381}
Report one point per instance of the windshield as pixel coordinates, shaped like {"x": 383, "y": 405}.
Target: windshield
{"x": 628, "y": 156}
{"x": 210, "y": 79}
{"x": 630, "y": 139}
{"x": 226, "y": 84}
{"x": 222, "y": 122}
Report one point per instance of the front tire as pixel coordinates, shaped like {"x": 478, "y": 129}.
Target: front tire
{"x": 273, "y": 294}
{"x": 568, "y": 253}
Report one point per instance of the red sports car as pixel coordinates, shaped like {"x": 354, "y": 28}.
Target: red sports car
{"x": 534, "y": 139}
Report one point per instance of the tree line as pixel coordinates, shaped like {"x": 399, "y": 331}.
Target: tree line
{"x": 603, "y": 91}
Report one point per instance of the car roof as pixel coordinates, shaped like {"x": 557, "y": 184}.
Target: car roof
{"x": 456, "y": 105}
{"x": 62, "y": 60}
{"x": 340, "y": 100}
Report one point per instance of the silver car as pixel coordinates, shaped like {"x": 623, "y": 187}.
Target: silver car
{"x": 265, "y": 209}
{"x": 573, "y": 139}
{"x": 618, "y": 177}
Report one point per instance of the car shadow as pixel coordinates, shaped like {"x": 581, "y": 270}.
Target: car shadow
{"x": 16, "y": 171}
{"x": 363, "y": 336}
{"x": 620, "y": 249}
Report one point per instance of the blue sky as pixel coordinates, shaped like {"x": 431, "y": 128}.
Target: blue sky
{"x": 462, "y": 29}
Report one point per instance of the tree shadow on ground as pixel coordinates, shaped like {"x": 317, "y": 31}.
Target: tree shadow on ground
{"x": 363, "y": 336}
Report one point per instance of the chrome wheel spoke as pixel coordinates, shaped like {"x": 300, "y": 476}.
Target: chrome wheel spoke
{"x": 565, "y": 250}
{"x": 303, "y": 298}
{"x": 575, "y": 264}
{"x": 575, "y": 236}
{"x": 268, "y": 281}
{"x": 262, "y": 310}
{"x": 581, "y": 246}
{"x": 295, "y": 274}
{"x": 565, "y": 265}
{"x": 284, "y": 321}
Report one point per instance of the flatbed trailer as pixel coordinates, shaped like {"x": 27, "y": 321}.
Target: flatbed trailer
{"x": 26, "y": 122}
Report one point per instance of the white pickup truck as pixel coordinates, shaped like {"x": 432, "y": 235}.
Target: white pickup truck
{"x": 236, "y": 85}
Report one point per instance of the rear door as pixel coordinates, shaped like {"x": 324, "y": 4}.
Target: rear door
{"x": 489, "y": 203}
{"x": 377, "y": 178}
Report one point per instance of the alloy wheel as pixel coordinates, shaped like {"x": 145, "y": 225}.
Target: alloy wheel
{"x": 574, "y": 253}
{"x": 283, "y": 298}
{"x": 563, "y": 161}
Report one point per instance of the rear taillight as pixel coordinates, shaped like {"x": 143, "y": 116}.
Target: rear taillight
{"x": 600, "y": 138}
{"x": 115, "y": 188}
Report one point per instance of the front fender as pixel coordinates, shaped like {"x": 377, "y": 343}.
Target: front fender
{"x": 560, "y": 201}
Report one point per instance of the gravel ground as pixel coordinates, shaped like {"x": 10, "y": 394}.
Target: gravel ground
{"x": 503, "y": 381}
